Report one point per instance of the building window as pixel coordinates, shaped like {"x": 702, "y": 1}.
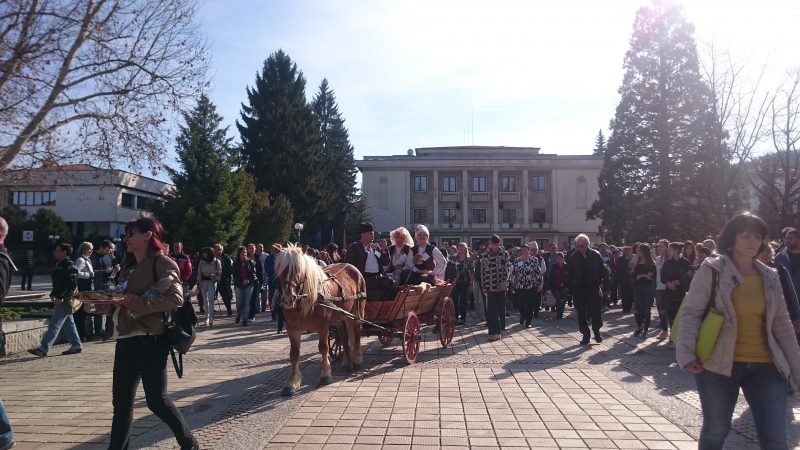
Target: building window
{"x": 449, "y": 184}
{"x": 420, "y": 215}
{"x": 479, "y": 215}
{"x": 420, "y": 183}
{"x": 479, "y": 184}
{"x": 128, "y": 201}
{"x": 537, "y": 183}
{"x": 509, "y": 184}
{"x": 449, "y": 215}
{"x": 539, "y": 215}
{"x": 33, "y": 198}
{"x": 144, "y": 203}
{"x": 582, "y": 191}
{"x": 383, "y": 193}
{"x": 509, "y": 216}
{"x": 542, "y": 243}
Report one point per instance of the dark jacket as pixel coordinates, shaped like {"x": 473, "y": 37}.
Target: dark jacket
{"x": 789, "y": 292}
{"x": 358, "y": 257}
{"x": 6, "y": 267}
{"x": 586, "y": 273}
{"x": 237, "y": 274}
{"x": 227, "y": 269}
{"x": 793, "y": 273}
{"x": 65, "y": 280}
{"x": 622, "y": 273}
{"x": 676, "y": 270}
{"x": 259, "y": 267}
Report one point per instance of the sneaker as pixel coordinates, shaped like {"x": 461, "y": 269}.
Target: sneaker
{"x": 37, "y": 352}
{"x": 644, "y": 334}
{"x": 598, "y": 338}
{"x": 72, "y": 351}
{"x": 585, "y": 340}
{"x": 637, "y": 332}
{"x": 208, "y": 322}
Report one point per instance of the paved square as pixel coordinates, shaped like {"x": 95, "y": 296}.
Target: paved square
{"x": 535, "y": 388}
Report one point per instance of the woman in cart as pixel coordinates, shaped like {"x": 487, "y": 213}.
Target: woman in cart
{"x": 400, "y": 254}
{"x": 427, "y": 262}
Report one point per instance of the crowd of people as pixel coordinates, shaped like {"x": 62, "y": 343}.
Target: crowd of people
{"x": 748, "y": 280}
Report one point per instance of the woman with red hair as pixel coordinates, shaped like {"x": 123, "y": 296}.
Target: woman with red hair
{"x": 151, "y": 286}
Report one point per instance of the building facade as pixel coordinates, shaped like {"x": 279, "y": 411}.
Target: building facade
{"x": 92, "y": 201}
{"x": 466, "y": 194}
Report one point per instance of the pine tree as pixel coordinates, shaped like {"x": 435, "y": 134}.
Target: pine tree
{"x": 599, "y": 144}
{"x": 660, "y": 132}
{"x": 206, "y": 205}
{"x": 280, "y": 138}
{"x": 337, "y": 155}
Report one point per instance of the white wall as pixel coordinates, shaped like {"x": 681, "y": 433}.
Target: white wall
{"x": 397, "y": 210}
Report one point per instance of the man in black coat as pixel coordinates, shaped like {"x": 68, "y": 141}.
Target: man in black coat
{"x": 674, "y": 275}
{"x": 586, "y": 275}
{"x": 369, "y": 258}
{"x": 65, "y": 284}
{"x": 6, "y": 266}
{"x": 225, "y": 277}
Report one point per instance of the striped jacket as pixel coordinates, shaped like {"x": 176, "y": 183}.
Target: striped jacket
{"x": 495, "y": 270}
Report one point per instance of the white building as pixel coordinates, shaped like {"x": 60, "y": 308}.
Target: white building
{"x": 466, "y": 194}
{"x": 92, "y": 201}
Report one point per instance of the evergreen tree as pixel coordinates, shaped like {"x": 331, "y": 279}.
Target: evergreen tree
{"x": 660, "y": 134}
{"x": 280, "y": 138}
{"x": 599, "y": 144}
{"x": 337, "y": 156}
{"x": 206, "y": 206}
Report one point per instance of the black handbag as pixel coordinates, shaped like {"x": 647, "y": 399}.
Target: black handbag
{"x": 179, "y": 330}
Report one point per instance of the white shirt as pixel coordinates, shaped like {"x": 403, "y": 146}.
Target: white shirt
{"x": 372, "y": 265}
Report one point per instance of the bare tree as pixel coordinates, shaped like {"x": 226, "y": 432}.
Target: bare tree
{"x": 740, "y": 112}
{"x": 777, "y": 175}
{"x": 95, "y": 80}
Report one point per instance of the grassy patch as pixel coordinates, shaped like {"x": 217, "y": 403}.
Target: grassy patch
{"x": 15, "y": 313}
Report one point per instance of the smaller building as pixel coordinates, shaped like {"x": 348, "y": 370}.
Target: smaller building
{"x": 91, "y": 200}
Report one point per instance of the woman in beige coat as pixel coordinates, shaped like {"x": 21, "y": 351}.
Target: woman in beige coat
{"x": 756, "y": 349}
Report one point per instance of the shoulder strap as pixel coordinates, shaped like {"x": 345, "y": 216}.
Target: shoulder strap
{"x": 155, "y": 273}
{"x": 177, "y": 362}
{"x": 712, "y": 300}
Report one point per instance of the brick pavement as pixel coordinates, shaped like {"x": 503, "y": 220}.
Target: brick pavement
{"x": 534, "y": 388}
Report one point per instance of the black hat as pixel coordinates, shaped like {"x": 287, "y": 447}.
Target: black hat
{"x": 366, "y": 227}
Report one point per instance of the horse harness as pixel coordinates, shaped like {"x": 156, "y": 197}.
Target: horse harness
{"x": 322, "y": 299}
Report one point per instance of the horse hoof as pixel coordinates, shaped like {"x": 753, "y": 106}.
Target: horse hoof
{"x": 324, "y": 381}
{"x": 287, "y": 391}
{"x": 356, "y": 367}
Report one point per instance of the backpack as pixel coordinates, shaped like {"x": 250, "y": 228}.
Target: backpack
{"x": 180, "y": 329}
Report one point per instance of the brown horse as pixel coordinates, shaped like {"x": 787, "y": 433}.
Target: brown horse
{"x": 302, "y": 283}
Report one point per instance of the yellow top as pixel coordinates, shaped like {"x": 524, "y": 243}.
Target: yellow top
{"x": 751, "y": 314}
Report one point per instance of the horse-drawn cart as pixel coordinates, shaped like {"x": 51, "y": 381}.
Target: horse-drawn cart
{"x": 404, "y": 316}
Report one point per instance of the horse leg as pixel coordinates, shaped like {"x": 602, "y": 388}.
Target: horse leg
{"x": 353, "y": 343}
{"x": 341, "y": 331}
{"x": 293, "y": 383}
{"x": 325, "y": 376}
{"x": 357, "y": 354}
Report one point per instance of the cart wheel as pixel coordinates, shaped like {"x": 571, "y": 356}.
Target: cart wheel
{"x": 411, "y": 338}
{"x": 447, "y": 322}
{"x": 334, "y": 345}
{"x": 386, "y": 338}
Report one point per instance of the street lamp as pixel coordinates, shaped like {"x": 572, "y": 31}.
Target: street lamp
{"x": 299, "y": 228}
{"x": 54, "y": 238}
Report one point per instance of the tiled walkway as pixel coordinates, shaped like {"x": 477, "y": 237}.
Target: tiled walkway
{"x": 534, "y": 388}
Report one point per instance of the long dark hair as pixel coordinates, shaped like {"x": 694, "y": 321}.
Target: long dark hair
{"x": 239, "y": 250}
{"x": 647, "y": 255}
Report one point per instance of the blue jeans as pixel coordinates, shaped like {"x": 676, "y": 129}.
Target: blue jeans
{"x": 765, "y": 391}
{"x": 642, "y": 302}
{"x": 243, "y": 295}
{"x": 558, "y": 293}
{"x": 209, "y": 290}
{"x": 6, "y": 436}
{"x": 60, "y": 318}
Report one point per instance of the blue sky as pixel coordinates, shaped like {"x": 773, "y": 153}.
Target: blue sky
{"x": 436, "y": 73}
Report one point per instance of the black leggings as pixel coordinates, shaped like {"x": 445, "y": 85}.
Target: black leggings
{"x": 460, "y": 300}
{"x": 143, "y": 357}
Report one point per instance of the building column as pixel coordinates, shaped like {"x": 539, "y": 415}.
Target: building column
{"x": 554, "y": 201}
{"x": 465, "y": 213}
{"x": 495, "y": 200}
{"x": 525, "y": 206}
{"x": 436, "y": 199}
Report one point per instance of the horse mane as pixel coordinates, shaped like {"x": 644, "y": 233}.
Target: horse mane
{"x": 292, "y": 262}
